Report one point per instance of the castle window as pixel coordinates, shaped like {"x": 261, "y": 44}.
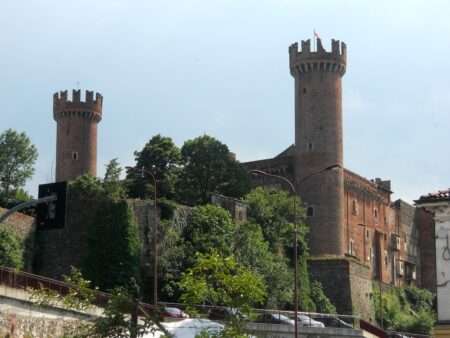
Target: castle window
{"x": 304, "y": 90}
{"x": 310, "y": 146}
{"x": 367, "y": 233}
{"x": 75, "y": 155}
{"x": 354, "y": 207}
{"x": 351, "y": 249}
{"x": 375, "y": 212}
{"x": 310, "y": 212}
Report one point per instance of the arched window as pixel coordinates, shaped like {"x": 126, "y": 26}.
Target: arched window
{"x": 310, "y": 212}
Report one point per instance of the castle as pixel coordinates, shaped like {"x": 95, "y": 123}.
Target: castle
{"x": 357, "y": 234}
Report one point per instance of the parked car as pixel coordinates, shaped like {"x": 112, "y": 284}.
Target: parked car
{"x": 304, "y": 320}
{"x": 173, "y": 312}
{"x": 333, "y": 322}
{"x": 274, "y": 318}
{"x": 224, "y": 313}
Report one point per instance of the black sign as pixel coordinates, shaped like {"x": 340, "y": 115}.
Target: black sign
{"x": 52, "y": 215}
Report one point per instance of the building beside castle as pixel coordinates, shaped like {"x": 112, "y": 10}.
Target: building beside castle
{"x": 357, "y": 234}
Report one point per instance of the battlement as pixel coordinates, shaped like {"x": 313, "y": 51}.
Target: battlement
{"x": 307, "y": 60}
{"x": 74, "y": 106}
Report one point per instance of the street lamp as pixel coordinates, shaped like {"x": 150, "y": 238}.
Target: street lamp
{"x": 155, "y": 234}
{"x": 294, "y": 191}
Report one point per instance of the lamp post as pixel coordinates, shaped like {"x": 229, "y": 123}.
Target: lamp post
{"x": 294, "y": 191}
{"x": 155, "y": 234}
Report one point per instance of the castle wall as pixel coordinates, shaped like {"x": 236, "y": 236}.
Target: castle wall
{"x": 59, "y": 249}
{"x": 346, "y": 283}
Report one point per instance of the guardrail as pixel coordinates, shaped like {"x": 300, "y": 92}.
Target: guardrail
{"x": 306, "y": 319}
{"x": 25, "y": 281}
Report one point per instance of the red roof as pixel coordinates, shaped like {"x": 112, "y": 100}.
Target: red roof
{"x": 441, "y": 195}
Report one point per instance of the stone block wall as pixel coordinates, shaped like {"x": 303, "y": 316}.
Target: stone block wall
{"x": 346, "y": 282}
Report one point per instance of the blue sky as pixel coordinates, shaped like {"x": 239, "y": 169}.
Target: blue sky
{"x": 184, "y": 68}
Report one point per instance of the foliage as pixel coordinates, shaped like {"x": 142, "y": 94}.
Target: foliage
{"x": 119, "y": 317}
{"x": 113, "y": 236}
{"x": 406, "y": 309}
{"x": 161, "y": 157}
{"x": 17, "y": 158}
{"x": 209, "y": 227}
{"x": 275, "y": 211}
{"x": 116, "y": 320}
{"x": 113, "y": 171}
{"x": 220, "y": 280}
{"x": 111, "y": 182}
{"x": 253, "y": 251}
{"x": 79, "y": 297}
{"x": 11, "y": 250}
{"x": 209, "y": 167}
{"x": 171, "y": 260}
{"x": 321, "y": 301}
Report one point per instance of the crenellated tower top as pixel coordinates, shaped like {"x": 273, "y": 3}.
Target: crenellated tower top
{"x": 306, "y": 60}
{"x": 90, "y": 108}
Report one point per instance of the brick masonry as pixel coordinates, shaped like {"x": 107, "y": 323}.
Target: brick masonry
{"x": 349, "y": 215}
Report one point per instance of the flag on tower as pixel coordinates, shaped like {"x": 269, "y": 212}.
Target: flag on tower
{"x": 316, "y": 35}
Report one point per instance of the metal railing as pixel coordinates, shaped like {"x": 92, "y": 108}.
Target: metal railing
{"x": 25, "y": 281}
{"x": 307, "y": 319}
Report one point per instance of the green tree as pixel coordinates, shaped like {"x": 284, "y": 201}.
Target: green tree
{"x": 119, "y": 318}
{"x": 220, "y": 280}
{"x": 253, "y": 251}
{"x": 11, "y": 250}
{"x": 113, "y": 171}
{"x": 17, "y": 158}
{"x": 209, "y": 167}
{"x": 161, "y": 157}
{"x": 407, "y": 309}
{"x": 112, "y": 183}
{"x": 208, "y": 227}
{"x": 275, "y": 211}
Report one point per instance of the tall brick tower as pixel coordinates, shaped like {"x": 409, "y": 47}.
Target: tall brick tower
{"x": 318, "y": 141}
{"x": 76, "y": 137}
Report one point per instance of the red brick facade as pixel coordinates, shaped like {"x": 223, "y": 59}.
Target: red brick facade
{"x": 76, "y": 139}
{"x": 351, "y": 215}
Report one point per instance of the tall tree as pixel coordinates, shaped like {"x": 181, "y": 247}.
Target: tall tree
{"x": 160, "y": 157}
{"x": 17, "y": 158}
{"x": 209, "y": 167}
{"x": 209, "y": 227}
{"x": 113, "y": 171}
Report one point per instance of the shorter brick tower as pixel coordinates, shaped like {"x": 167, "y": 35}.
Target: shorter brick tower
{"x": 76, "y": 137}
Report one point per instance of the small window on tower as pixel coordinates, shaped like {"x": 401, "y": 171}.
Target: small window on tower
{"x": 354, "y": 207}
{"x": 310, "y": 212}
{"x": 310, "y": 146}
{"x": 75, "y": 155}
{"x": 304, "y": 90}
